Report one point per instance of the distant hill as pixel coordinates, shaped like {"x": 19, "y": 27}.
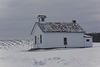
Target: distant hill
{"x": 96, "y": 36}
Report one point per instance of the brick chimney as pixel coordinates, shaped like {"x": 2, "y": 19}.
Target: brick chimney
{"x": 74, "y": 21}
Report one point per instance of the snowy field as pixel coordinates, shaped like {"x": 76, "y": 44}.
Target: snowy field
{"x": 16, "y": 45}
{"x": 14, "y": 54}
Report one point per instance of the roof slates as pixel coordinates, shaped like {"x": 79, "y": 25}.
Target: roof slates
{"x": 60, "y": 27}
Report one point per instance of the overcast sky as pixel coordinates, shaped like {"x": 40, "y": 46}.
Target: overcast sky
{"x": 17, "y": 17}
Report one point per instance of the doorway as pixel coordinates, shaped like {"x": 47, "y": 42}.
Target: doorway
{"x": 65, "y": 41}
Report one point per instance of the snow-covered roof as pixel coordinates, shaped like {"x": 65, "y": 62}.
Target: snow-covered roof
{"x": 87, "y": 36}
{"x": 41, "y": 16}
{"x": 60, "y": 27}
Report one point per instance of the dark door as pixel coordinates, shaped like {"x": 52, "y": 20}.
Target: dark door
{"x": 65, "y": 41}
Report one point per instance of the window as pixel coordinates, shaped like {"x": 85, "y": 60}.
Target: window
{"x": 87, "y": 40}
{"x": 35, "y": 39}
{"x": 42, "y": 19}
{"x": 40, "y": 38}
{"x": 65, "y": 41}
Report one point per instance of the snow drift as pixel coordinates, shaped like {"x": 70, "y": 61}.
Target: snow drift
{"x": 24, "y": 44}
{"x": 79, "y": 57}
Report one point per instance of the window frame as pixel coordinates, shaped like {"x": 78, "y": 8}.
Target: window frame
{"x": 87, "y": 40}
{"x": 35, "y": 40}
{"x": 40, "y": 38}
{"x": 42, "y": 19}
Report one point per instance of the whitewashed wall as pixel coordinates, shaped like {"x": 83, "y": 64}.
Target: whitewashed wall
{"x": 90, "y": 43}
{"x": 56, "y": 40}
{"x": 37, "y": 32}
{"x": 51, "y": 40}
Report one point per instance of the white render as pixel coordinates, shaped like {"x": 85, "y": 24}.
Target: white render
{"x": 88, "y": 44}
{"x": 52, "y": 40}
{"x": 37, "y": 33}
{"x": 56, "y": 34}
{"x": 56, "y": 40}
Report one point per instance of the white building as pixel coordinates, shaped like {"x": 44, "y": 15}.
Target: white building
{"x": 59, "y": 34}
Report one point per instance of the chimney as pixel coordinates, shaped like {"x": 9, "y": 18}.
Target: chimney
{"x": 74, "y": 21}
{"x": 41, "y": 18}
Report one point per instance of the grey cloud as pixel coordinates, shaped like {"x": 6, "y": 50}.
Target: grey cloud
{"x": 18, "y": 16}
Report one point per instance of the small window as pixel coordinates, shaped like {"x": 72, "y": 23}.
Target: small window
{"x": 40, "y": 38}
{"x": 35, "y": 39}
{"x": 65, "y": 41}
{"x": 87, "y": 40}
{"x": 42, "y": 19}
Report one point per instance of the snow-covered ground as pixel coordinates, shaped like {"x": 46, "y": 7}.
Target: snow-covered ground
{"x": 78, "y": 57}
{"x": 18, "y": 45}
